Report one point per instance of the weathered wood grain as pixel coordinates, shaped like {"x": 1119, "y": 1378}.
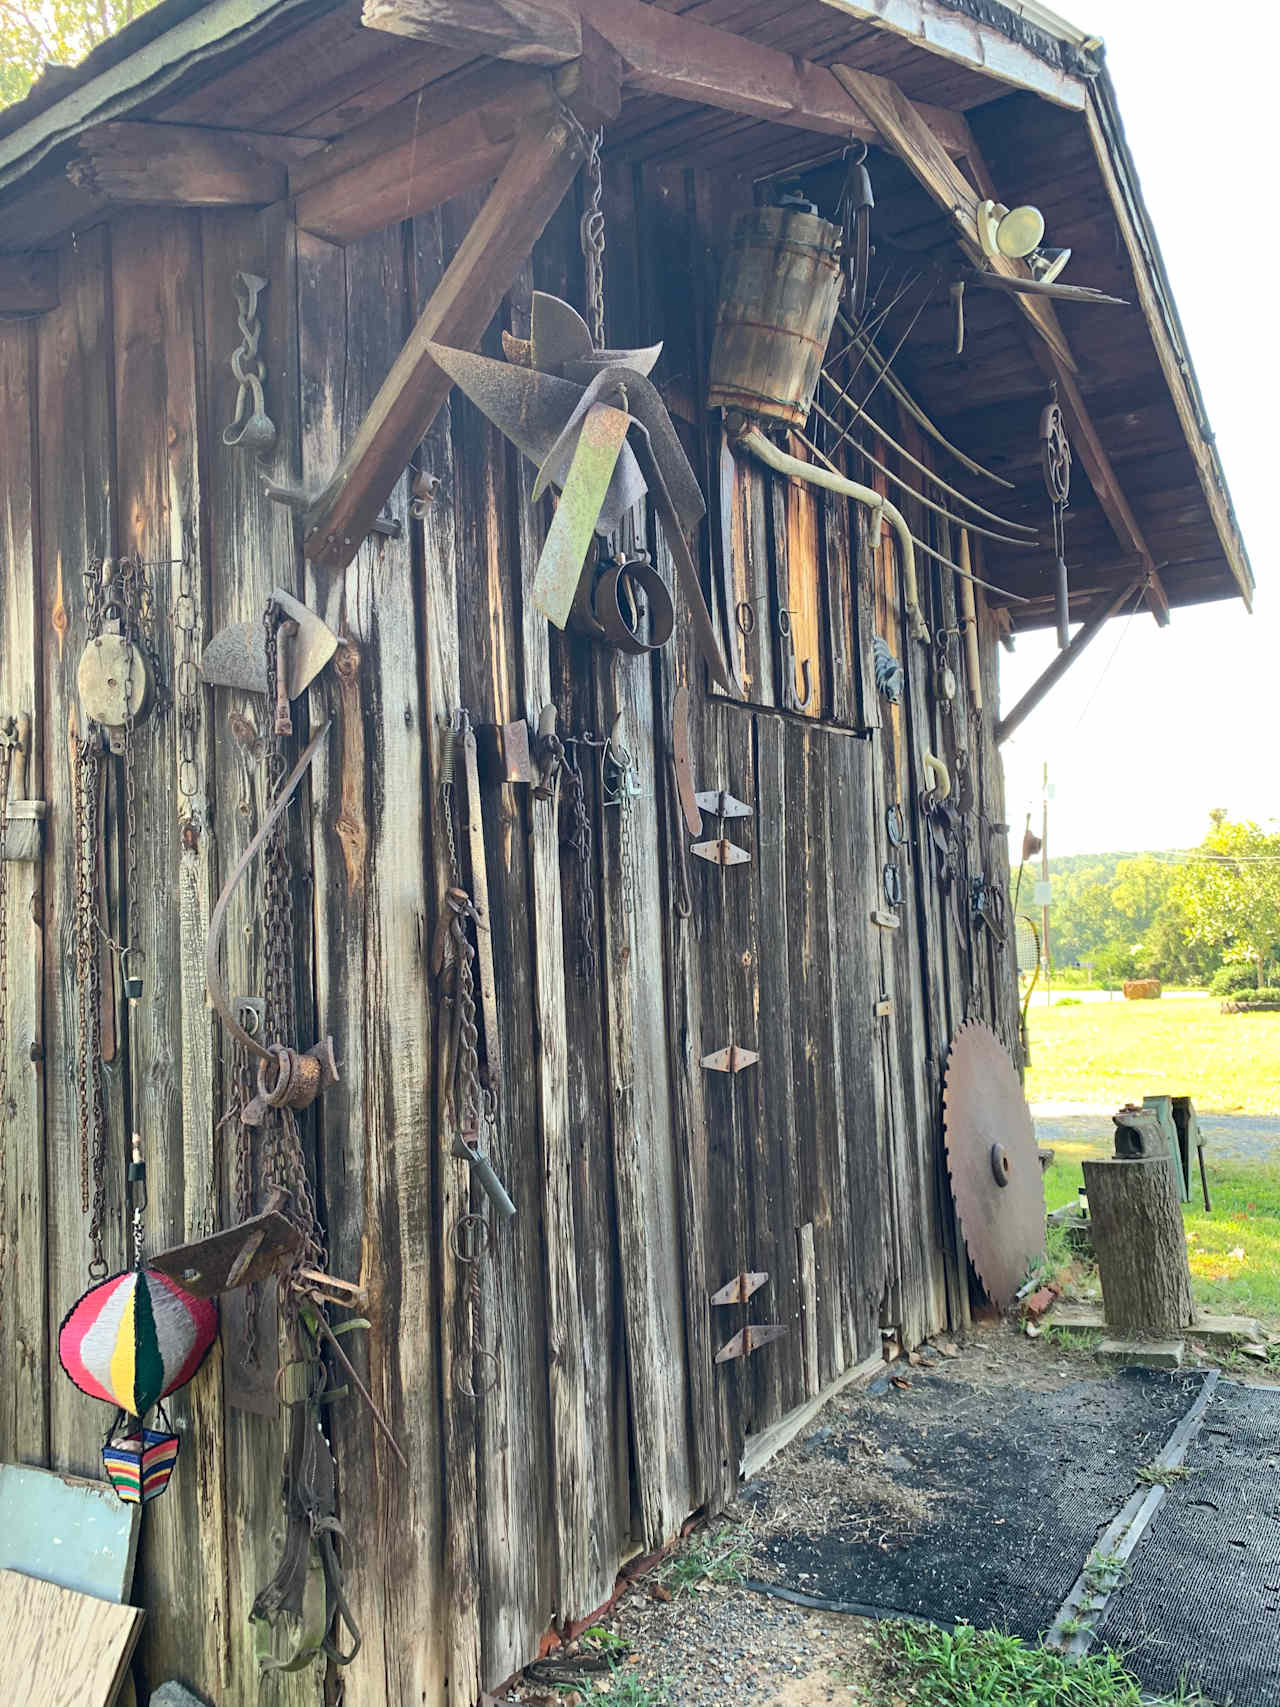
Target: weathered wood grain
{"x": 77, "y": 501}
{"x": 371, "y": 918}
{"x": 157, "y": 311}
{"x": 249, "y": 547}
{"x": 24, "y": 1397}
{"x": 439, "y": 641}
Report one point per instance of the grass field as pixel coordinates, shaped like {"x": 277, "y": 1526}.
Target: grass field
{"x": 1111, "y": 1053}
{"x": 1107, "y": 1053}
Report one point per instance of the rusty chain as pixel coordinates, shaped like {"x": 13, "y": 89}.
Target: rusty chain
{"x": 465, "y": 1104}
{"x": 90, "y": 932}
{"x": 284, "y": 1166}
{"x": 8, "y": 738}
{"x": 591, "y": 225}
{"x": 251, "y": 427}
{"x": 579, "y": 839}
{"x": 186, "y": 686}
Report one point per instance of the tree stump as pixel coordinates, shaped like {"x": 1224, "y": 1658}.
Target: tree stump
{"x": 1141, "y": 1245}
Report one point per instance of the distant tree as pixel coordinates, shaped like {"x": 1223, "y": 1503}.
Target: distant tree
{"x": 1230, "y": 893}
{"x": 36, "y": 33}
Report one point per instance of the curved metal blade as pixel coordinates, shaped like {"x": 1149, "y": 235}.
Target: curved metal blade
{"x": 564, "y": 552}
{"x": 557, "y": 333}
{"x": 983, "y": 1105}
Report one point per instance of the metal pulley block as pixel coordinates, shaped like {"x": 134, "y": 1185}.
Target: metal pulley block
{"x": 114, "y": 681}
{"x": 288, "y": 1079}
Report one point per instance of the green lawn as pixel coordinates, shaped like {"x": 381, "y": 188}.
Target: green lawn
{"x": 1234, "y": 1251}
{"x": 1111, "y": 1053}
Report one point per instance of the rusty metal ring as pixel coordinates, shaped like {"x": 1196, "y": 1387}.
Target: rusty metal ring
{"x": 607, "y": 604}
{"x": 746, "y": 617}
{"x": 465, "y": 1230}
{"x": 471, "y": 1389}
{"x": 276, "y": 1093}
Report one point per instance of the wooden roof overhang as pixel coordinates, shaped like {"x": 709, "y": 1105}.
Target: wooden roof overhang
{"x": 362, "y": 118}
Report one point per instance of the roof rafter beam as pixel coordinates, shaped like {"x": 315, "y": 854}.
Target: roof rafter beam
{"x": 907, "y": 133}
{"x": 174, "y": 166}
{"x": 661, "y": 53}
{"x": 1053, "y": 672}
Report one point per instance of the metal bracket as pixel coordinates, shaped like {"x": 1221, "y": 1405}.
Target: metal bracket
{"x": 722, "y": 852}
{"x": 750, "y": 1339}
{"x": 503, "y": 752}
{"x": 723, "y": 805}
{"x": 738, "y": 1290}
{"x": 294, "y": 498}
{"x": 886, "y": 921}
{"x": 730, "y": 1060}
{"x": 791, "y": 700}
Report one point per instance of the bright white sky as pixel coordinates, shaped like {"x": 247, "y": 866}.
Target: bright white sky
{"x": 1152, "y": 727}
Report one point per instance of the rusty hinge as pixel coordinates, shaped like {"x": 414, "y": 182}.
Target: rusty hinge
{"x": 730, "y": 1060}
{"x": 721, "y": 852}
{"x": 720, "y": 804}
{"x": 738, "y": 1290}
{"x": 750, "y": 1339}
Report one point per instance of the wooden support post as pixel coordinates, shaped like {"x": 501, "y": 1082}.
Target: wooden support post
{"x": 532, "y": 184}
{"x": 1141, "y": 1246}
{"x": 1054, "y": 672}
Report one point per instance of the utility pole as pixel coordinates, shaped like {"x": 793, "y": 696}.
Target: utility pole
{"x": 1044, "y": 877}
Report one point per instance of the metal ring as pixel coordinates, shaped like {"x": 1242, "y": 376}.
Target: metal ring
{"x": 463, "y": 1230}
{"x": 746, "y": 617}
{"x": 607, "y": 606}
{"x": 470, "y": 1390}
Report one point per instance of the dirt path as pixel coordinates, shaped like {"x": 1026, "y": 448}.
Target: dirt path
{"x": 1227, "y": 1137}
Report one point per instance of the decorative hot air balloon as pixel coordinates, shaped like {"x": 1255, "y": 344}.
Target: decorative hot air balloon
{"x": 130, "y": 1340}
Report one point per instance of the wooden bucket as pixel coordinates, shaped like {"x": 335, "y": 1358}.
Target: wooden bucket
{"x": 778, "y": 299}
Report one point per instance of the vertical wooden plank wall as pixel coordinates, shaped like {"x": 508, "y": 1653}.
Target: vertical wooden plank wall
{"x": 24, "y": 1395}
{"x": 643, "y": 1180}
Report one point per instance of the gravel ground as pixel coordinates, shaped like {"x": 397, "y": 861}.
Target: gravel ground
{"x": 713, "y": 1646}
{"x": 1228, "y": 1137}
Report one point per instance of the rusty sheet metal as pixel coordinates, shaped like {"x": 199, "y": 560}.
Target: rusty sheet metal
{"x": 682, "y": 753}
{"x": 573, "y": 527}
{"x": 238, "y": 1256}
{"x": 993, "y": 1161}
{"x": 560, "y": 343}
{"x": 531, "y": 409}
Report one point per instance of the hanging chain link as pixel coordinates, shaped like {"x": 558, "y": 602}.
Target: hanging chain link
{"x": 465, "y": 1104}
{"x": 284, "y": 1165}
{"x": 252, "y": 427}
{"x": 186, "y": 684}
{"x": 242, "y": 1183}
{"x": 591, "y": 235}
{"x": 579, "y": 839}
{"x": 90, "y": 934}
{"x": 8, "y": 738}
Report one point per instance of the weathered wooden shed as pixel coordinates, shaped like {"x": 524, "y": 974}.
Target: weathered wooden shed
{"x": 416, "y": 173}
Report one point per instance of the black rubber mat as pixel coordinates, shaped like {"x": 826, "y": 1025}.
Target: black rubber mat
{"x": 973, "y": 1503}
{"x": 1202, "y": 1601}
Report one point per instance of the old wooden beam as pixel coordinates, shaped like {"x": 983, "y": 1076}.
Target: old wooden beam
{"x": 28, "y": 285}
{"x": 540, "y": 168}
{"x": 908, "y": 133}
{"x": 546, "y": 33}
{"x": 37, "y": 214}
{"x": 419, "y": 153}
{"x": 1054, "y": 671}
{"x": 173, "y": 166}
{"x": 913, "y": 140}
{"x": 663, "y": 53}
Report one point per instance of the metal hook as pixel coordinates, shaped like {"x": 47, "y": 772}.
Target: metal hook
{"x": 792, "y": 701}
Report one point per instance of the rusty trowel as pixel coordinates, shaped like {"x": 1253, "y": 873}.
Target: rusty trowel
{"x": 236, "y": 656}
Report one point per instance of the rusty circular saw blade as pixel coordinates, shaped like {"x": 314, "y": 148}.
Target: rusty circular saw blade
{"x": 983, "y": 1105}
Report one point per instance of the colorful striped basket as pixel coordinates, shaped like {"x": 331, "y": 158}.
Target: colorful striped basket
{"x": 139, "y": 1465}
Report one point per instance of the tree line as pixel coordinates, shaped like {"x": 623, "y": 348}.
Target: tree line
{"x": 1185, "y": 916}
{"x": 38, "y": 33}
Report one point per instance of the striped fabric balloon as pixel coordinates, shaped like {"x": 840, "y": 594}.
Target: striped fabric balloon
{"x": 134, "y": 1338}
